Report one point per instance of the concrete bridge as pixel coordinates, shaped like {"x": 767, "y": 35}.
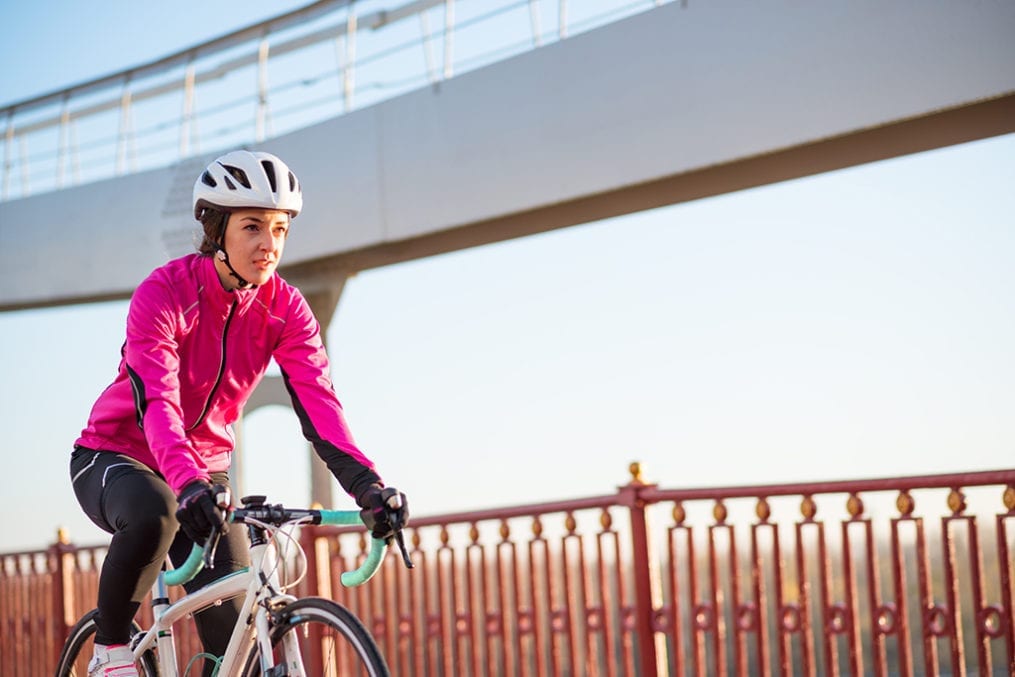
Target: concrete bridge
{"x": 682, "y": 101}
{"x": 677, "y": 102}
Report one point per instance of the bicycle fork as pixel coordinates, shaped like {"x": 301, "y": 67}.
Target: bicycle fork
{"x": 292, "y": 665}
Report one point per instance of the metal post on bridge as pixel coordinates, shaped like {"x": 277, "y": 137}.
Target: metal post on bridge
{"x": 61, "y": 565}
{"x": 125, "y": 151}
{"x": 64, "y": 140}
{"x": 8, "y": 146}
{"x": 188, "y": 119}
{"x": 449, "y": 37}
{"x": 262, "y": 122}
{"x": 349, "y": 60}
{"x": 647, "y": 592}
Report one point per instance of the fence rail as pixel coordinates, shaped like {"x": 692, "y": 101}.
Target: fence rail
{"x": 897, "y": 576}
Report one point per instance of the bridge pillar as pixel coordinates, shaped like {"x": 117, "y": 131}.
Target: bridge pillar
{"x": 322, "y": 295}
{"x": 322, "y": 292}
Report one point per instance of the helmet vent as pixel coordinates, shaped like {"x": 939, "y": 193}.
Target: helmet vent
{"x": 229, "y": 184}
{"x": 269, "y": 171}
{"x": 292, "y": 181}
{"x": 208, "y": 180}
{"x": 239, "y": 175}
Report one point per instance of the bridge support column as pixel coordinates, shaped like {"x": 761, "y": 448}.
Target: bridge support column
{"x": 323, "y": 301}
{"x": 322, "y": 292}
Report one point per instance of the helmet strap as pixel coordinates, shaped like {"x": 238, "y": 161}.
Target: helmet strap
{"x": 221, "y": 255}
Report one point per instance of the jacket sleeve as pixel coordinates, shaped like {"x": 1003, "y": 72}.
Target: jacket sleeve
{"x": 305, "y": 370}
{"x": 153, "y": 365}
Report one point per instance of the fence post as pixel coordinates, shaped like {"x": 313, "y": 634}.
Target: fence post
{"x": 309, "y": 537}
{"x": 308, "y": 541}
{"x": 651, "y": 649}
{"x": 62, "y": 565}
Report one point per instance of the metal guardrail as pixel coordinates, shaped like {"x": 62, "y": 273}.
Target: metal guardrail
{"x": 794, "y": 579}
{"x": 322, "y": 60}
{"x": 894, "y": 576}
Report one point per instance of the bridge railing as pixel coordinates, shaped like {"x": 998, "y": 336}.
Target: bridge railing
{"x": 897, "y": 576}
{"x": 325, "y": 59}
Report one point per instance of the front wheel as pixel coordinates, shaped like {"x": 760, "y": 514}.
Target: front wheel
{"x": 315, "y": 636}
{"x": 78, "y": 649}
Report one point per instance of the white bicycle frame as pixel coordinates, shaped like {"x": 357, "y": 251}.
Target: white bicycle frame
{"x": 261, "y": 584}
{"x": 260, "y": 596}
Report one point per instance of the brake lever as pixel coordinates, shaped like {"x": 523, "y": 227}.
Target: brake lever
{"x": 210, "y": 545}
{"x": 394, "y": 504}
{"x": 406, "y": 559}
{"x": 396, "y": 529}
{"x": 223, "y": 499}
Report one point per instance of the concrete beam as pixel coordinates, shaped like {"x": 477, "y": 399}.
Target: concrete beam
{"x": 669, "y": 105}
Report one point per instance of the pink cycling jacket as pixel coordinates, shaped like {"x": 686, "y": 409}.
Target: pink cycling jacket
{"x": 193, "y": 355}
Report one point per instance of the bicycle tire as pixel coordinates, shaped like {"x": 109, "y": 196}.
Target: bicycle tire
{"x": 345, "y": 646}
{"x": 77, "y": 650}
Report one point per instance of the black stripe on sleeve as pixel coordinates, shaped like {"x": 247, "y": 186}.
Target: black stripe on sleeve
{"x": 140, "y": 401}
{"x": 350, "y": 473}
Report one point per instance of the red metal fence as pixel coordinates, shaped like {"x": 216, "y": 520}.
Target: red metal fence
{"x": 901, "y": 576}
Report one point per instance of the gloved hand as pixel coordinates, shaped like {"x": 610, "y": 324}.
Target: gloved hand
{"x": 202, "y": 509}
{"x": 384, "y": 509}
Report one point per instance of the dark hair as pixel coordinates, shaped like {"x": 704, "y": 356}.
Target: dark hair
{"x": 214, "y": 222}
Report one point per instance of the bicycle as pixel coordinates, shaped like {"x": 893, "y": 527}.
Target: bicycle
{"x": 276, "y": 633}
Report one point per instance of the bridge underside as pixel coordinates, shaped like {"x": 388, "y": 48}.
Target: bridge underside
{"x": 674, "y": 104}
{"x": 961, "y": 125}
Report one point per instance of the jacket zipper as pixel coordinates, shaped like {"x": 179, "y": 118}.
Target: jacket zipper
{"x": 222, "y": 368}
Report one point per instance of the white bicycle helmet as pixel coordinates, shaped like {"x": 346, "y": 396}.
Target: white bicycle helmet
{"x": 248, "y": 179}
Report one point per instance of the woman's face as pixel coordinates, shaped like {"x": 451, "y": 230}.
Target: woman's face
{"x": 254, "y": 242}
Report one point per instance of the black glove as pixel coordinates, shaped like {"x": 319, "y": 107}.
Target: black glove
{"x": 202, "y": 509}
{"x": 384, "y": 510}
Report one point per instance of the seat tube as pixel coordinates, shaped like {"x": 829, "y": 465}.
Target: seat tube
{"x": 165, "y": 642}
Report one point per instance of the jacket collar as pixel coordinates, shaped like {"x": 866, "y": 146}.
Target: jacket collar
{"x": 218, "y": 295}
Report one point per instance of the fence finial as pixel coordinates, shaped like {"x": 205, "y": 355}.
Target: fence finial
{"x": 62, "y": 537}
{"x": 635, "y": 469}
{"x": 956, "y": 501}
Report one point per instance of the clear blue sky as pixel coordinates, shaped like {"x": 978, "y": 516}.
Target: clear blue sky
{"x": 853, "y": 324}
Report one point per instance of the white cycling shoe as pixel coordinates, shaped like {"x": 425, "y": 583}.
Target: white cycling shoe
{"x": 115, "y": 660}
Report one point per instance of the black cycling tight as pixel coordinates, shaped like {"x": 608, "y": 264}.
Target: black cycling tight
{"x": 135, "y": 504}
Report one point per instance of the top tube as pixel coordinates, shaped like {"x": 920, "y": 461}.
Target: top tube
{"x": 366, "y": 571}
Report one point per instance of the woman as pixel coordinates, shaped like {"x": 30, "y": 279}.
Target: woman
{"x": 201, "y": 331}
